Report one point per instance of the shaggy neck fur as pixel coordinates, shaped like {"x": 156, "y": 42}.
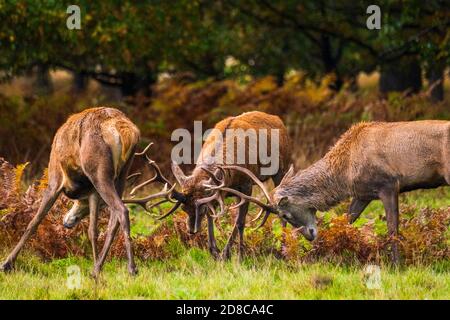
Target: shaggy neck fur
{"x": 320, "y": 186}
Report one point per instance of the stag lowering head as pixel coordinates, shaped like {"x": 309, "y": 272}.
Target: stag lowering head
{"x": 289, "y": 208}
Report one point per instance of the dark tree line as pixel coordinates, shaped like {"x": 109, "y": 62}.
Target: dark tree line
{"x": 128, "y": 44}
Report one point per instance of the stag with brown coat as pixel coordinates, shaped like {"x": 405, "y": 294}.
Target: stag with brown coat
{"x": 198, "y": 196}
{"x": 90, "y": 157}
{"x": 370, "y": 161}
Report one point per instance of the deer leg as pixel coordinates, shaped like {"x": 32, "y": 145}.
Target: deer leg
{"x": 283, "y": 236}
{"x": 390, "y": 202}
{"x": 113, "y": 225}
{"x": 101, "y": 176}
{"x": 211, "y": 239}
{"x": 240, "y": 223}
{"x": 238, "y": 228}
{"x": 276, "y": 181}
{"x": 356, "y": 208}
{"x": 120, "y": 213}
{"x": 93, "y": 218}
{"x": 48, "y": 199}
{"x": 226, "y": 254}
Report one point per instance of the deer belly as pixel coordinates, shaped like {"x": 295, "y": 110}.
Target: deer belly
{"x": 425, "y": 180}
{"x": 78, "y": 187}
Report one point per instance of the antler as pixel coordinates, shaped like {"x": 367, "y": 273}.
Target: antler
{"x": 217, "y": 194}
{"x": 166, "y": 193}
{"x": 267, "y": 208}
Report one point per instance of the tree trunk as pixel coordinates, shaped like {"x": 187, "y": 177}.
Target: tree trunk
{"x": 133, "y": 83}
{"x": 43, "y": 83}
{"x": 401, "y": 75}
{"x": 330, "y": 61}
{"x": 435, "y": 77}
{"x": 80, "y": 82}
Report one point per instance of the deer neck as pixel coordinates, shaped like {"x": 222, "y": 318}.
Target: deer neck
{"x": 321, "y": 185}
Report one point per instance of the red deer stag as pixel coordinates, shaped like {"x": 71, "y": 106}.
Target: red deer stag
{"x": 375, "y": 160}
{"x": 89, "y": 161}
{"x": 197, "y": 196}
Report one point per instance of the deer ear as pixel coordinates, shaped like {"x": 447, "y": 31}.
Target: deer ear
{"x": 178, "y": 174}
{"x": 289, "y": 174}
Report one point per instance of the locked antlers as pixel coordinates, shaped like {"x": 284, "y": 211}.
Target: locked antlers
{"x": 220, "y": 189}
{"x": 168, "y": 193}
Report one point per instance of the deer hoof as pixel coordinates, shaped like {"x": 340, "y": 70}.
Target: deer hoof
{"x": 6, "y": 267}
{"x": 226, "y": 255}
{"x": 352, "y": 218}
{"x": 214, "y": 253}
{"x": 132, "y": 271}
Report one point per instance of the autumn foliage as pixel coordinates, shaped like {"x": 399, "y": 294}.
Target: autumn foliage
{"x": 315, "y": 117}
{"x": 423, "y": 233}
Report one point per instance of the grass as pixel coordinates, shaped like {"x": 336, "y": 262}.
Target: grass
{"x": 191, "y": 273}
{"x": 196, "y": 276}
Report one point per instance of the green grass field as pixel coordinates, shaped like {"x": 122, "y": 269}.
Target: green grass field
{"x": 192, "y": 274}
{"x": 196, "y": 276}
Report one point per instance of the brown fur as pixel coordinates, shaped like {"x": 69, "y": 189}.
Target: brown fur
{"x": 376, "y": 160}
{"x": 89, "y": 160}
{"x": 192, "y": 186}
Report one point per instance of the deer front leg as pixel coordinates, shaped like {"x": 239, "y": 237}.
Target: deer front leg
{"x": 238, "y": 228}
{"x": 283, "y": 236}
{"x": 93, "y": 218}
{"x": 48, "y": 199}
{"x": 356, "y": 208}
{"x": 211, "y": 239}
{"x": 240, "y": 223}
{"x": 390, "y": 203}
{"x": 226, "y": 254}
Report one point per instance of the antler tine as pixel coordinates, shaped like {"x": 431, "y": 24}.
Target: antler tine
{"x": 250, "y": 198}
{"x": 159, "y": 175}
{"x": 266, "y": 216}
{"x": 252, "y": 176}
{"x": 133, "y": 175}
{"x": 143, "y": 184}
{"x": 240, "y": 203}
{"x": 174, "y": 208}
{"x": 165, "y": 192}
{"x": 212, "y": 175}
{"x": 213, "y": 211}
{"x": 217, "y": 196}
{"x": 258, "y": 215}
{"x": 145, "y": 150}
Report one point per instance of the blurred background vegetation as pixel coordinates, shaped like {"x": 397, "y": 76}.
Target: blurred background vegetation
{"x": 166, "y": 63}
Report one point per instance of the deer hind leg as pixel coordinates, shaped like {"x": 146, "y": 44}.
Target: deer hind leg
{"x": 101, "y": 174}
{"x": 356, "y": 208}
{"x": 105, "y": 188}
{"x": 390, "y": 202}
{"x": 94, "y": 201}
{"x": 49, "y": 197}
